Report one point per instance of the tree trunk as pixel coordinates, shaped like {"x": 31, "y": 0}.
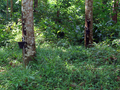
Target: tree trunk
{"x": 11, "y": 7}
{"x": 88, "y": 34}
{"x": 35, "y": 5}
{"x": 58, "y": 18}
{"x": 115, "y": 6}
{"x": 7, "y": 10}
{"x": 28, "y": 31}
{"x": 57, "y": 14}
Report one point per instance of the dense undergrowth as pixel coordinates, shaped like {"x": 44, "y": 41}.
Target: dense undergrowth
{"x": 63, "y": 63}
{"x": 60, "y": 67}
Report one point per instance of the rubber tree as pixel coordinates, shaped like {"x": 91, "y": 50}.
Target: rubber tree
{"x": 88, "y": 34}
{"x": 28, "y": 31}
{"x": 11, "y": 7}
{"x": 35, "y": 5}
{"x": 7, "y": 10}
{"x": 58, "y": 13}
{"x": 115, "y": 6}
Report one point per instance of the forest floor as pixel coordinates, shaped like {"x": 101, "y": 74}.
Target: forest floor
{"x": 64, "y": 67}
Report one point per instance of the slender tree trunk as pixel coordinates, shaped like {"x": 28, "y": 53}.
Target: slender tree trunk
{"x": 11, "y": 7}
{"x": 58, "y": 14}
{"x": 28, "y": 31}
{"x": 58, "y": 18}
{"x": 7, "y": 10}
{"x": 35, "y": 5}
{"x": 115, "y": 6}
{"x": 88, "y": 34}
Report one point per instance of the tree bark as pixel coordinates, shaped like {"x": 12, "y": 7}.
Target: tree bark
{"x": 88, "y": 34}
{"x": 7, "y": 10}
{"x": 28, "y": 31}
{"x": 115, "y": 6}
{"x": 57, "y": 20}
{"x": 11, "y": 7}
{"x": 35, "y": 5}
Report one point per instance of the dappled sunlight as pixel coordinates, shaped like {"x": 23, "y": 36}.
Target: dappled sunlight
{"x": 52, "y": 1}
{"x": 18, "y": 38}
{"x": 62, "y": 62}
{"x": 2, "y": 69}
{"x": 73, "y": 66}
{"x": 2, "y": 51}
{"x": 70, "y": 67}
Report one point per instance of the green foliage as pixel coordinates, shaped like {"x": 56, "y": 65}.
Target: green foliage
{"x": 68, "y": 20}
{"x": 61, "y": 64}
{"x": 104, "y": 27}
{"x": 74, "y": 67}
{"x": 116, "y": 43}
{"x": 8, "y": 32}
{"x": 5, "y": 35}
{"x": 2, "y": 11}
{"x": 15, "y": 14}
{"x": 71, "y": 17}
